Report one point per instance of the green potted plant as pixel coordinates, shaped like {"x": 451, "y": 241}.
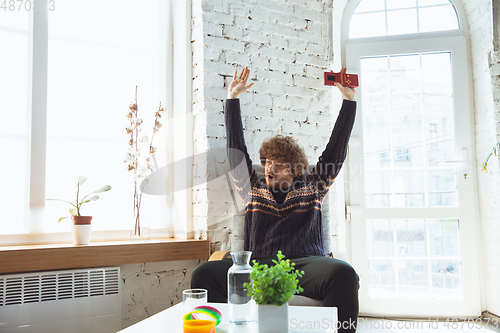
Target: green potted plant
{"x": 271, "y": 288}
{"x": 81, "y": 226}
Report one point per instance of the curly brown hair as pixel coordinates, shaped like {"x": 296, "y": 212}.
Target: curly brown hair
{"x": 284, "y": 149}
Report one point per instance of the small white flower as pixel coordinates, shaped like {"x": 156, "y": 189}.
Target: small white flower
{"x": 143, "y": 138}
{"x": 142, "y": 169}
{"x": 132, "y": 154}
{"x": 141, "y": 172}
{"x": 129, "y": 129}
{"x": 137, "y": 121}
{"x": 128, "y": 156}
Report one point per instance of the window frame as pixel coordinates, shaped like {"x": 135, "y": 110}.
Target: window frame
{"x": 455, "y": 41}
{"x": 176, "y": 31}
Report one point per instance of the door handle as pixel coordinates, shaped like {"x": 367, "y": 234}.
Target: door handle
{"x": 355, "y": 209}
{"x": 464, "y": 160}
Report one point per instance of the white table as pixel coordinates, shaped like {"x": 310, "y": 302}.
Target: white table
{"x": 302, "y": 319}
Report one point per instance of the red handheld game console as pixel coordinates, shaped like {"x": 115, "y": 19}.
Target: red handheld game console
{"x": 347, "y": 80}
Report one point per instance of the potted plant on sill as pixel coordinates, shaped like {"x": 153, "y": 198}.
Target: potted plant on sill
{"x": 81, "y": 226}
{"x": 271, "y": 288}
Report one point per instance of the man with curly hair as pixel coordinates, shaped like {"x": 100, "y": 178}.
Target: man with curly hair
{"x": 283, "y": 208}
{"x": 290, "y": 157}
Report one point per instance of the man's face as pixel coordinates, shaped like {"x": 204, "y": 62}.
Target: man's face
{"x": 278, "y": 175}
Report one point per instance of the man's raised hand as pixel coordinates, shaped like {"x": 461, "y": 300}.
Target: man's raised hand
{"x": 239, "y": 83}
{"x": 348, "y": 92}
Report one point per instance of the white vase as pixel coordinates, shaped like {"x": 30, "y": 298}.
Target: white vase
{"x": 272, "y": 318}
{"x": 81, "y": 234}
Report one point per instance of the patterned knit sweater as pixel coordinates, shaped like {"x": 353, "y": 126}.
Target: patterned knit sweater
{"x": 295, "y": 225}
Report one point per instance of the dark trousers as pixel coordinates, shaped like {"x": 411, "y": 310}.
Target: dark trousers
{"x": 331, "y": 280}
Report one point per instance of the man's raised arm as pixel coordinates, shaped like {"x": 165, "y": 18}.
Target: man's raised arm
{"x": 331, "y": 160}
{"x": 239, "y": 160}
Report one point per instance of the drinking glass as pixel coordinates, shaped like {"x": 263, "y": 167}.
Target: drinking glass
{"x": 193, "y": 298}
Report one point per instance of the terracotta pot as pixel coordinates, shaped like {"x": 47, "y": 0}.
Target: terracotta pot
{"x": 81, "y": 220}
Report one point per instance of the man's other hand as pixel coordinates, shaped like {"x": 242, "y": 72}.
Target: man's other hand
{"x": 348, "y": 92}
{"x": 239, "y": 83}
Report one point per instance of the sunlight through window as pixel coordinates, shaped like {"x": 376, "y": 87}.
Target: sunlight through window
{"x": 396, "y": 17}
{"x": 13, "y": 136}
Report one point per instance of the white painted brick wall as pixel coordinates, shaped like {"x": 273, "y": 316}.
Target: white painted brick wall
{"x": 283, "y": 43}
{"x": 486, "y": 97}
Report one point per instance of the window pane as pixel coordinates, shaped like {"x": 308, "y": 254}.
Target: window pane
{"x": 442, "y": 187}
{"x": 370, "y": 6}
{"x": 12, "y": 197}
{"x": 413, "y": 276}
{"x": 402, "y": 22}
{"x": 444, "y": 237}
{"x": 407, "y": 132}
{"x": 446, "y": 277}
{"x": 405, "y": 62}
{"x": 411, "y": 238}
{"x": 405, "y": 73}
{"x": 14, "y": 19}
{"x": 422, "y": 3}
{"x": 439, "y": 130}
{"x": 359, "y": 22}
{"x": 373, "y": 18}
{"x": 127, "y": 23}
{"x": 379, "y": 243}
{"x": 13, "y": 138}
{"x": 409, "y": 190}
{"x": 378, "y": 64}
{"x": 381, "y": 86}
{"x": 378, "y": 188}
{"x": 378, "y": 155}
{"x": 414, "y": 259}
{"x": 375, "y": 82}
{"x": 377, "y": 152}
{"x": 438, "y": 18}
{"x": 437, "y": 79}
{"x": 14, "y": 82}
{"x": 93, "y": 72}
{"x": 398, "y": 4}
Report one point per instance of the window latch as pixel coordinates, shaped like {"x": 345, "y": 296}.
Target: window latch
{"x": 355, "y": 209}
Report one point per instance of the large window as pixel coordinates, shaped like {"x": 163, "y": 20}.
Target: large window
{"x": 412, "y": 183}
{"x": 66, "y": 116}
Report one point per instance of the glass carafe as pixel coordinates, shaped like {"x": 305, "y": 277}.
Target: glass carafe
{"x": 242, "y": 308}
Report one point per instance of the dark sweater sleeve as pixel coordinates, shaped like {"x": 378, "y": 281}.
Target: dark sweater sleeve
{"x": 333, "y": 157}
{"x": 239, "y": 160}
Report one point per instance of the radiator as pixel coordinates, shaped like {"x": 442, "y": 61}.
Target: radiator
{"x": 84, "y": 300}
